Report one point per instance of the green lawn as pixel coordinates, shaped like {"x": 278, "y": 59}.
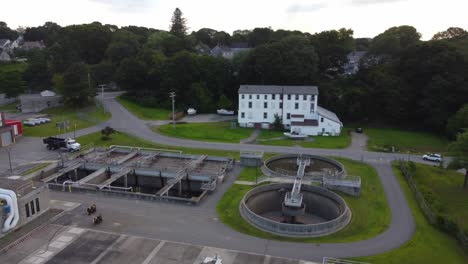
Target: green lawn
{"x": 371, "y": 215}
{"x": 143, "y": 112}
{"x": 427, "y": 245}
{"x": 81, "y": 117}
{"x": 215, "y": 131}
{"x": 8, "y": 107}
{"x": 341, "y": 141}
{"x": 382, "y": 139}
{"x": 443, "y": 189}
{"x": 127, "y": 140}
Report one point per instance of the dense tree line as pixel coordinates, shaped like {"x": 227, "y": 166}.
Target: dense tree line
{"x": 402, "y": 80}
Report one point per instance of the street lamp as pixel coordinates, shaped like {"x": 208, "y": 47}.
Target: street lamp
{"x": 173, "y": 95}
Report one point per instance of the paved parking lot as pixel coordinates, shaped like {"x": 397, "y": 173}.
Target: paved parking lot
{"x": 58, "y": 244}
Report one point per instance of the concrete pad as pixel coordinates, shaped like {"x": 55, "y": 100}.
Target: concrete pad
{"x": 227, "y": 256}
{"x": 64, "y": 239}
{"x": 129, "y": 250}
{"x": 84, "y": 249}
{"x": 57, "y": 244}
{"x": 45, "y": 254}
{"x": 76, "y": 230}
{"x": 175, "y": 253}
{"x": 242, "y": 258}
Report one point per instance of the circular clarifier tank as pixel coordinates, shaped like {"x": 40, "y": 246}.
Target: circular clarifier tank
{"x": 287, "y": 165}
{"x": 322, "y": 212}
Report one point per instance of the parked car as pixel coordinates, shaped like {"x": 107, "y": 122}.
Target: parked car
{"x": 432, "y": 157}
{"x": 43, "y": 119}
{"x": 358, "y": 130}
{"x": 29, "y": 122}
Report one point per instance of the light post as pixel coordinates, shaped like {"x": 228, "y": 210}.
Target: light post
{"x": 173, "y": 95}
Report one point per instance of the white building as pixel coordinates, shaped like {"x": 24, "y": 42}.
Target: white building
{"x": 297, "y": 106}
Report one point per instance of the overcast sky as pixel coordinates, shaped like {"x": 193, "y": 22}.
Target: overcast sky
{"x": 366, "y": 17}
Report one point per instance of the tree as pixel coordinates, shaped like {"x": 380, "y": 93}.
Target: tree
{"x": 6, "y": 32}
{"x": 11, "y": 80}
{"x": 459, "y": 150}
{"x": 179, "y": 24}
{"x": 106, "y": 132}
{"x": 332, "y": 47}
{"x": 76, "y": 87}
{"x": 394, "y": 40}
{"x": 37, "y": 73}
{"x": 458, "y": 122}
{"x": 450, "y": 33}
{"x": 224, "y": 102}
{"x": 278, "y": 123}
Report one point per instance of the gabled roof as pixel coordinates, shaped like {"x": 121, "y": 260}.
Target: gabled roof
{"x": 276, "y": 89}
{"x": 328, "y": 114}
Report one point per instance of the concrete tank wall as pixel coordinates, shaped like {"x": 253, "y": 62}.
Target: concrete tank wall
{"x": 320, "y": 201}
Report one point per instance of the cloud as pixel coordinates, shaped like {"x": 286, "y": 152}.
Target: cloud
{"x": 305, "y": 8}
{"x": 124, "y": 5}
{"x": 370, "y": 2}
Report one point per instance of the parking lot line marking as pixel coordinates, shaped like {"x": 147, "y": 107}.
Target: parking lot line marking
{"x": 109, "y": 248}
{"x": 153, "y": 253}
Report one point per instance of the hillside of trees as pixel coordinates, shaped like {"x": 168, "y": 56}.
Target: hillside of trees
{"x": 402, "y": 79}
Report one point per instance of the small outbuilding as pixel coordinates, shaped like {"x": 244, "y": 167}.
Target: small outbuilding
{"x": 7, "y": 135}
{"x": 31, "y": 103}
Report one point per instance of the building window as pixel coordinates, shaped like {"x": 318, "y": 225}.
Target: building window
{"x": 305, "y": 97}
{"x": 250, "y": 104}
{"x": 296, "y": 106}
{"x": 281, "y": 105}
{"x": 273, "y": 96}
{"x": 31, "y": 205}
{"x": 242, "y": 96}
{"x": 265, "y": 105}
{"x": 258, "y": 97}
{"x": 242, "y": 115}
{"x": 321, "y": 120}
{"x": 289, "y": 97}
{"x": 27, "y": 209}
{"x": 312, "y": 98}
{"x": 265, "y": 115}
{"x": 38, "y": 208}
{"x": 266, "y": 96}
{"x": 250, "y": 96}
{"x": 297, "y": 97}
{"x": 288, "y": 116}
{"x": 281, "y": 97}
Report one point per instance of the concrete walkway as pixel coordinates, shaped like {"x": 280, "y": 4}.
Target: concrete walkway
{"x": 251, "y": 138}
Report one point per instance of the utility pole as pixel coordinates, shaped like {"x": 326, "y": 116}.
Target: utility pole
{"x": 173, "y": 95}
{"x": 102, "y": 96}
{"x": 9, "y": 158}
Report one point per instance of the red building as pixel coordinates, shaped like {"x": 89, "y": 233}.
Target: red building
{"x": 9, "y": 130}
